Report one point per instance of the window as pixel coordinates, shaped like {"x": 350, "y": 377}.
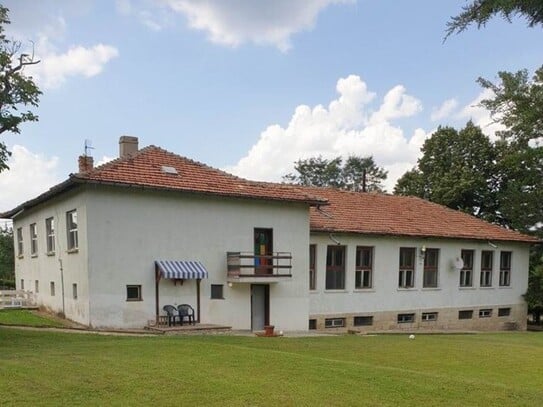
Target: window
{"x": 429, "y": 316}
{"x": 334, "y": 322}
{"x": 52, "y": 288}
{"x": 363, "y": 320}
{"x": 50, "y": 235}
{"x": 431, "y": 262}
{"x": 33, "y": 240}
{"x": 406, "y": 318}
{"x": 485, "y": 313}
{"x": 466, "y": 274}
{"x": 364, "y": 267}
{"x": 217, "y": 292}
{"x": 36, "y": 286}
{"x": 22, "y": 284}
{"x": 407, "y": 267}
{"x": 335, "y": 268}
{"x": 505, "y": 269}
{"x": 74, "y": 291}
{"x": 312, "y": 324}
{"x": 465, "y": 314}
{"x": 486, "y": 268}
{"x": 20, "y": 242}
{"x": 133, "y": 293}
{"x": 71, "y": 224}
{"x": 504, "y": 312}
{"x": 312, "y": 267}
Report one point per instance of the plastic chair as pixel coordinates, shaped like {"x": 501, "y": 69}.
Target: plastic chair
{"x": 186, "y": 311}
{"x": 172, "y": 313}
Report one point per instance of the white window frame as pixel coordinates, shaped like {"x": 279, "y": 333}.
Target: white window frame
{"x": 429, "y": 316}
{"x": 406, "y": 318}
{"x": 33, "y": 239}
{"x": 364, "y": 273}
{"x": 334, "y": 322}
{"x": 20, "y": 246}
{"x": 505, "y": 269}
{"x": 72, "y": 232}
{"x": 406, "y": 277}
{"x": 50, "y": 235}
{"x": 485, "y": 313}
{"x": 486, "y": 273}
{"x": 430, "y": 271}
{"x": 466, "y": 274}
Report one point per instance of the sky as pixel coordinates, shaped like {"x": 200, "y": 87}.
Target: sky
{"x": 250, "y": 86}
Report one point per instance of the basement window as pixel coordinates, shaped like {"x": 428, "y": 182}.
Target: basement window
{"x": 429, "y": 316}
{"x": 465, "y": 314}
{"x": 504, "y": 312}
{"x": 365, "y": 320}
{"x": 334, "y": 322}
{"x": 406, "y": 318}
{"x": 312, "y": 324}
{"x": 485, "y": 313}
{"x": 133, "y": 293}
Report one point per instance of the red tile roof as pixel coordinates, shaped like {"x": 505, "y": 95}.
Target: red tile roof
{"x": 381, "y": 214}
{"x": 144, "y": 169}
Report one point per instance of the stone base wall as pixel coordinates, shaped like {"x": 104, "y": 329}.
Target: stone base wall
{"x": 447, "y": 319}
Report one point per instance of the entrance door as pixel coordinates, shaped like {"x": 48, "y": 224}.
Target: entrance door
{"x": 260, "y": 306}
{"x": 263, "y": 247}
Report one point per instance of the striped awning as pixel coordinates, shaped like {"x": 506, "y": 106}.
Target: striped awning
{"x": 181, "y": 269}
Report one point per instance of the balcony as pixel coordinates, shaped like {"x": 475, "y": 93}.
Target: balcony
{"x": 247, "y": 267}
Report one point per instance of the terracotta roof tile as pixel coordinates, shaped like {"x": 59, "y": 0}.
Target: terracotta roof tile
{"x": 382, "y": 214}
{"x": 144, "y": 169}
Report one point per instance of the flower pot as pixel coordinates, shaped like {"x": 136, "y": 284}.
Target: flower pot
{"x": 268, "y": 330}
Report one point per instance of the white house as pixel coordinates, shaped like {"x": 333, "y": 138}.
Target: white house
{"x": 111, "y": 245}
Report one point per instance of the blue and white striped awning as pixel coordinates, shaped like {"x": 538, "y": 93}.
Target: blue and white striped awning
{"x": 181, "y": 269}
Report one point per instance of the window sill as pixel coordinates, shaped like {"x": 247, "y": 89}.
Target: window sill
{"x": 20, "y": 256}
{"x": 70, "y": 251}
{"x": 407, "y": 289}
{"x": 466, "y": 288}
{"x": 506, "y": 287}
{"x": 335, "y": 291}
{"x": 33, "y": 256}
{"x": 50, "y": 253}
{"x": 486, "y": 288}
{"x": 222, "y": 298}
{"x": 134, "y": 299}
{"x": 431, "y": 289}
{"x": 364, "y": 290}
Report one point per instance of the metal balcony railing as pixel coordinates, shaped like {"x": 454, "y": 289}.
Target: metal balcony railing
{"x": 247, "y": 264}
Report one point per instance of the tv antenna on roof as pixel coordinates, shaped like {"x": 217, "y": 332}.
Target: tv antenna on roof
{"x": 88, "y": 146}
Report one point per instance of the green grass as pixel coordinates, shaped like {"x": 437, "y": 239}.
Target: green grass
{"x": 44, "y": 368}
{"x": 27, "y": 318}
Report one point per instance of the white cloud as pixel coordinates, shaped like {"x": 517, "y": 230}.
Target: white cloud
{"x": 480, "y": 116}
{"x": 104, "y": 159}
{"x": 47, "y": 25}
{"x": 347, "y": 126}
{"x": 29, "y": 175}
{"x": 55, "y": 68}
{"x": 234, "y": 22}
{"x": 445, "y": 110}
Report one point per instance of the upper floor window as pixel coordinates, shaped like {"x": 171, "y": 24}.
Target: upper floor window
{"x": 19, "y": 242}
{"x": 50, "y": 234}
{"x": 406, "y": 277}
{"x": 431, "y": 263}
{"x": 487, "y": 260}
{"x": 364, "y": 267}
{"x": 466, "y": 274}
{"x": 312, "y": 267}
{"x": 33, "y": 240}
{"x": 505, "y": 269}
{"x": 335, "y": 268}
{"x": 71, "y": 224}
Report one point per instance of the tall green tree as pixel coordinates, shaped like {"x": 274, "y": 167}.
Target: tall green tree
{"x": 355, "y": 174}
{"x": 7, "y": 265}
{"x": 457, "y": 169}
{"x": 479, "y": 12}
{"x": 534, "y": 295}
{"x": 16, "y": 89}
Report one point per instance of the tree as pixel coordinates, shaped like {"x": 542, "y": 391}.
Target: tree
{"x": 7, "y": 265}
{"x": 16, "y": 89}
{"x": 456, "y": 169}
{"x": 356, "y": 174}
{"x": 481, "y": 11}
{"x": 534, "y": 295}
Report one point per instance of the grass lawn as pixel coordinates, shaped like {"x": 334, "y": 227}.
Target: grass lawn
{"x": 38, "y": 368}
{"x": 28, "y": 318}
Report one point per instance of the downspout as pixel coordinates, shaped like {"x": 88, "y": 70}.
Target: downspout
{"x": 62, "y": 287}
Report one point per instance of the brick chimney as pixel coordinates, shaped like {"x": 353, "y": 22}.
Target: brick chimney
{"x": 127, "y": 145}
{"x": 86, "y": 163}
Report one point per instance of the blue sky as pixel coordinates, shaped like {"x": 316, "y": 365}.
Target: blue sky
{"x": 250, "y": 86}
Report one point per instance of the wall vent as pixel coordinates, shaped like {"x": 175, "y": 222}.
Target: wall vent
{"x": 169, "y": 170}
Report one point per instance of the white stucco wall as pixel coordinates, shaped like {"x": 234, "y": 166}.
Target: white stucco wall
{"x": 385, "y": 294}
{"x": 129, "y": 229}
{"x": 46, "y": 267}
